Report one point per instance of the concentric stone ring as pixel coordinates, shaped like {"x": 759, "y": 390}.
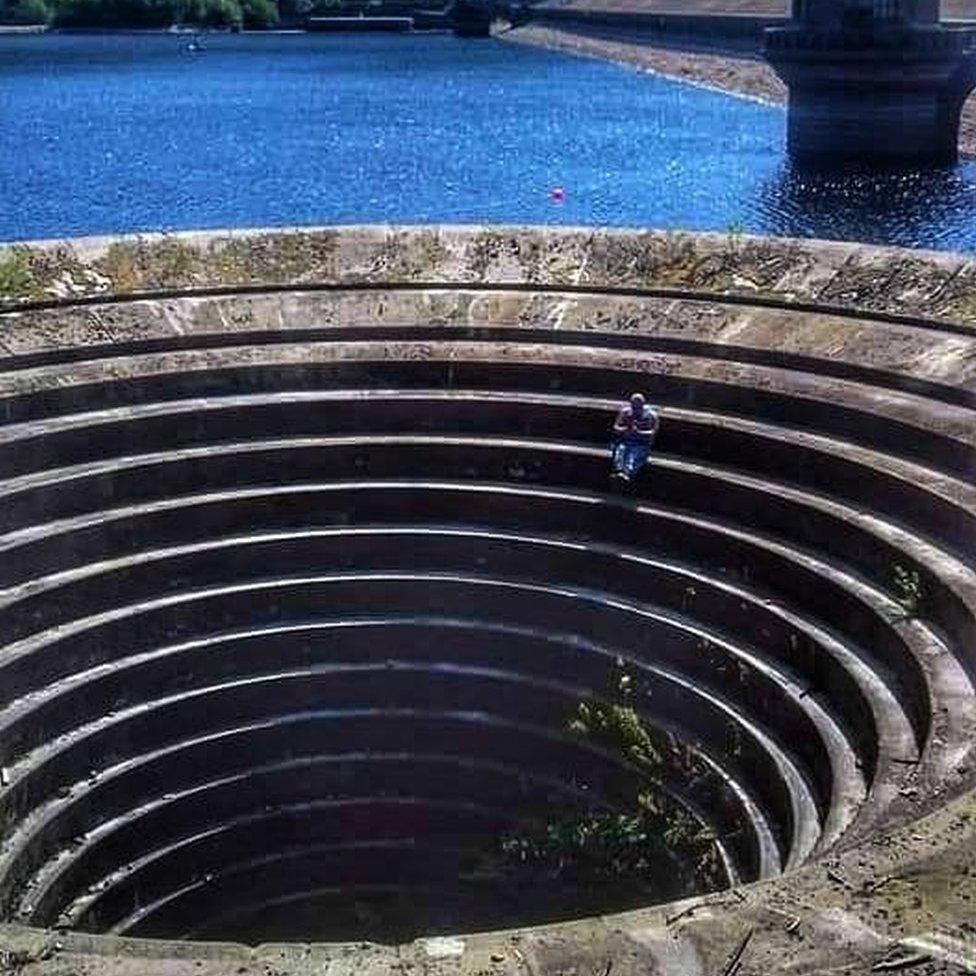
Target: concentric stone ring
{"x": 309, "y": 547}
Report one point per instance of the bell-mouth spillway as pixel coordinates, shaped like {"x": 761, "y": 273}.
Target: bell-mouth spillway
{"x": 309, "y": 550}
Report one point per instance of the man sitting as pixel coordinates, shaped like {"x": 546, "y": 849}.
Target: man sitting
{"x": 634, "y": 432}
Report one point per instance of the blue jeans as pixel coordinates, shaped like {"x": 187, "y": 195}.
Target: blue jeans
{"x": 629, "y": 456}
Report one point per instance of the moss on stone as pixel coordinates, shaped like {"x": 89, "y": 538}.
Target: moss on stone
{"x": 121, "y": 265}
{"x": 16, "y": 278}
{"x": 279, "y": 257}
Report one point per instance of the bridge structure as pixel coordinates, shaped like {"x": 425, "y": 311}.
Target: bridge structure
{"x": 874, "y": 80}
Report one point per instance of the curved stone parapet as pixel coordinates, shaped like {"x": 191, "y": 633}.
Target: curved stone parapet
{"x": 308, "y": 549}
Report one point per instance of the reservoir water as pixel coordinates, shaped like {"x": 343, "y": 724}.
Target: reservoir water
{"x": 103, "y": 134}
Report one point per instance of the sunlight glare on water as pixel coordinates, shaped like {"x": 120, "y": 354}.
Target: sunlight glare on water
{"x": 104, "y": 134}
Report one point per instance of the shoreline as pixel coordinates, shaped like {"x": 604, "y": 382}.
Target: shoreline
{"x": 741, "y": 77}
{"x": 737, "y": 75}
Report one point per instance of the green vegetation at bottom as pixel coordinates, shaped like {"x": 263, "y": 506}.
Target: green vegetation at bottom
{"x": 653, "y": 843}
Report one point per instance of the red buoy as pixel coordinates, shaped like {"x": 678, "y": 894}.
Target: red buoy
{"x": 557, "y": 194}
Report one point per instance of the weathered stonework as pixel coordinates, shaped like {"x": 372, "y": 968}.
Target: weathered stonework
{"x": 934, "y": 285}
{"x": 820, "y": 323}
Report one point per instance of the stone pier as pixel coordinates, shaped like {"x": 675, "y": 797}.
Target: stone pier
{"x": 469, "y": 18}
{"x": 874, "y": 80}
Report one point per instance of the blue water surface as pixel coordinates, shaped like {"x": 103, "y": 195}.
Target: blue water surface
{"x": 126, "y": 132}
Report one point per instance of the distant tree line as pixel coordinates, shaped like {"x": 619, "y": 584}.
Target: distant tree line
{"x": 147, "y": 14}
